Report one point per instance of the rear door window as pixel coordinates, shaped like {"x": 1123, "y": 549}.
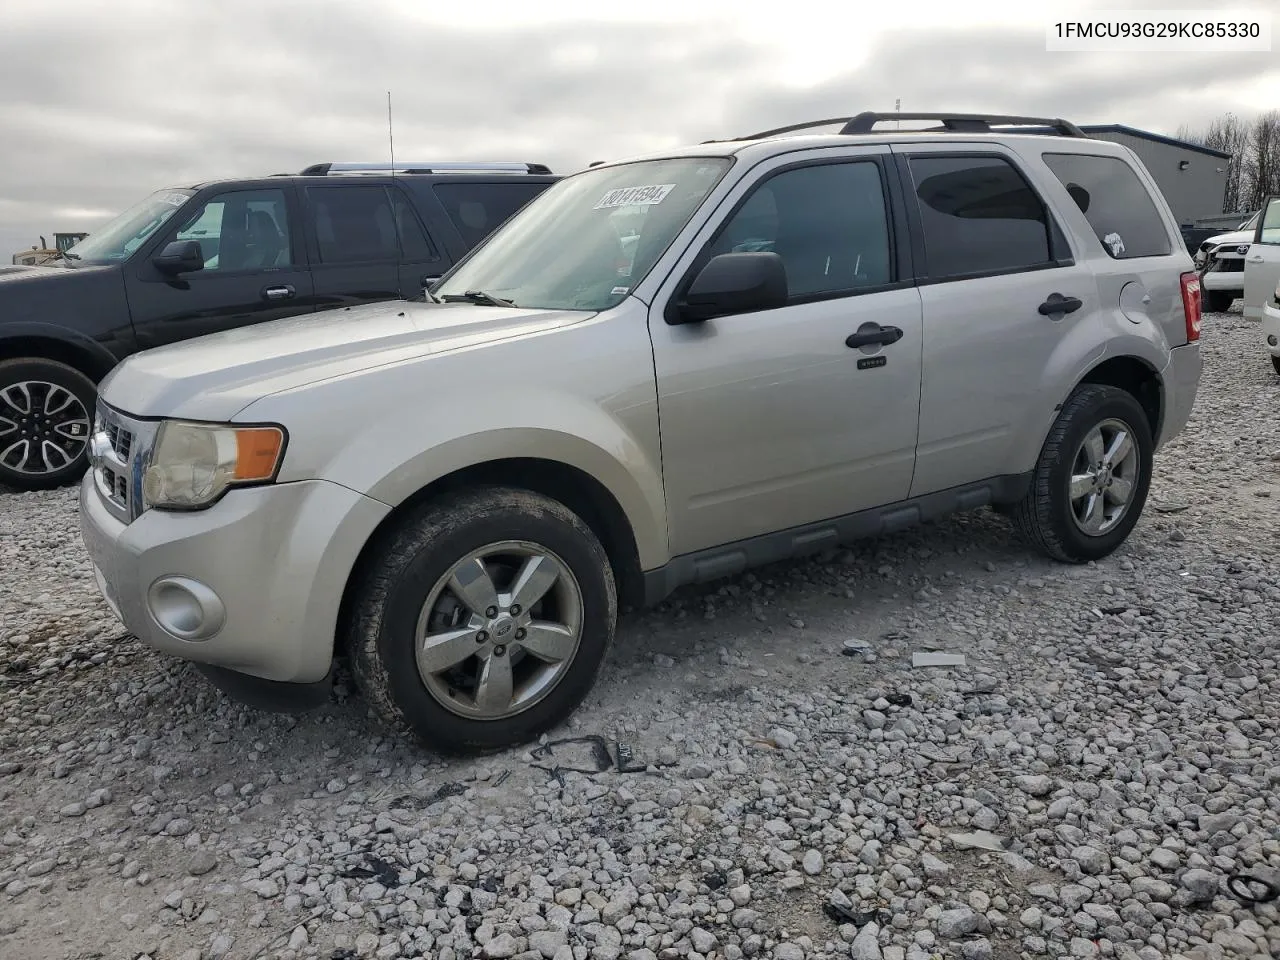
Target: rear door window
{"x": 476, "y": 209}
{"x": 354, "y": 224}
{"x": 979, "y": 215}
{"x": 1115, "y": 202}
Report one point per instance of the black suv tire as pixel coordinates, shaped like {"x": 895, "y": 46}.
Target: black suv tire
{"x": 46, "y": 417}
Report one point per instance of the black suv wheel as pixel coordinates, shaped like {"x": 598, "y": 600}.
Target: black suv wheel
{"x": 46, "y": 415}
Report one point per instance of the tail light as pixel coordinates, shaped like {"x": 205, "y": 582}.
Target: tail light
{"x": 1191, "y": 305}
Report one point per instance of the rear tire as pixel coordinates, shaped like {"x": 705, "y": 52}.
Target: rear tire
{"x": 439, "y": 640}
{"x": 1275, "y": 363}
{"x": 46, "y": 416}
{"x": 1219, "y": 301}
{"x": 1072, "y": 511}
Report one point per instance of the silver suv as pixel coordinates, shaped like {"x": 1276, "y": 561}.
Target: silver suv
{"x": 660, "y": 371}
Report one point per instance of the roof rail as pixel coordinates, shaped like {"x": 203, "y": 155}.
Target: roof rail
{"x": 950, "y": 123}
{"x": 453, "y": 166}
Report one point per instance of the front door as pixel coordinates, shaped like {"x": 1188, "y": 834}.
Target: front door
{"x": 254, "y": 270}
{"x": 769, "y": 420}
{"x": 1262, "y": 262}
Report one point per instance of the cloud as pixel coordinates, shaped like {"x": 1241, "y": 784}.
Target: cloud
{"x": 105, "y": 103}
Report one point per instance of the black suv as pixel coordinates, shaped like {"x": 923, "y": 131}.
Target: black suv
{"x": 195, "y": 260}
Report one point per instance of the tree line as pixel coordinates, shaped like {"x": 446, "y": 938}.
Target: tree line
{"x": 1253, "y": 171}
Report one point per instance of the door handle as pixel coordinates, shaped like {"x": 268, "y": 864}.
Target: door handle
{"x": 1057, "y": 303}
{"x": 278, "y": 293}
{"x": 873, "y": 334}
{"x": 1256, "y": 260}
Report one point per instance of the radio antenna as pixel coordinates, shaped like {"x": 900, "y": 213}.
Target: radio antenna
{"x": 391, "y": 140}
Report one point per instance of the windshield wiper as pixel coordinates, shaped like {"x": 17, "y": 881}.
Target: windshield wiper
{"x": 476, "y": 296}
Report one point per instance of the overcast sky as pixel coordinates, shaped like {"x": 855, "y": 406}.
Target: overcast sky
{"x": 104, "y": 102}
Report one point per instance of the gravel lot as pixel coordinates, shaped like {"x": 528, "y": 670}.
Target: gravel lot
{"x": 1116, "y": 729}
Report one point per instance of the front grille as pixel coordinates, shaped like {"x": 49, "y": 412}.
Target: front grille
{"x": 116, "y": 486}
{"x": 1227, "y": 265}
{"x": 119, "y": 463}
{"x": 121, "y": 440}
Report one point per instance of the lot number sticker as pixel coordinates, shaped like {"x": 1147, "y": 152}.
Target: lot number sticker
{"x": 635, "y": 196}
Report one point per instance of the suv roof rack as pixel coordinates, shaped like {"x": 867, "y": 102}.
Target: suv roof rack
{"x": 950, "y": 123}
{"x": 452, "y": 166}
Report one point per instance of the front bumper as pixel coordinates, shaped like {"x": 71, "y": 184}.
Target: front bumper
{"x": 261, "y": 574}
{"x": 1181, "y": 384}
{"x": 1223, "y": 280}
{"x": 1271, "y": 326}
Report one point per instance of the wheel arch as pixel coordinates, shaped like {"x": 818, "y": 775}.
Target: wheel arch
{"x": 575, "y": 488}
{"x": 1137, "y": 377}
{"x": 85, "y": 357}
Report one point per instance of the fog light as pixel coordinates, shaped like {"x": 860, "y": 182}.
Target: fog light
{"x": 1271, "y": 340}
{"x": 186, "y": 608}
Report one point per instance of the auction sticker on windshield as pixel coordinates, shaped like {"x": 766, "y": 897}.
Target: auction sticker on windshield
{"x": 174, "y": 199}
{"x": 635, "y": 196}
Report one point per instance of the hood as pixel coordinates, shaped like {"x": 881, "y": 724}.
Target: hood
{"x": 1236, "y": 236}
{"x": 21, "y": 274}
{"x": 214, "y": 377}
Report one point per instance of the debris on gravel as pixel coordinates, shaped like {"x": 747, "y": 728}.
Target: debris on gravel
{"x": 1082, "y": 786}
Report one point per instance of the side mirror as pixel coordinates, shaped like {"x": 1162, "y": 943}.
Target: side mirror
{"x": 734, "y": 283}
{"x": 180, "y": 256}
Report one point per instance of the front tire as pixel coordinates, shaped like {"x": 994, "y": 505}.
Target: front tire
{"x": 1090, "y": 483}
{"x": 46, "y": 416}
{"x": 483, "y": 619}
{"x": 1219, "y": 301}
{"x": 1275, "y": 363}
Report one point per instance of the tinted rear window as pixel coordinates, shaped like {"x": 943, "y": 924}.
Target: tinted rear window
{"x": 979, "y": 216}
{"x": 476, "y": 209}
{"x": 1115, "y": 202}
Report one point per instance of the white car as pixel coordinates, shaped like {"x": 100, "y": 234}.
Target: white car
{"x": 1271, "y": 327}
{"x": 1262, "y": 276}
{"x": 1220, "y": 260}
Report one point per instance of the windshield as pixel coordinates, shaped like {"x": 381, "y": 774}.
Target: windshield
{"x": 583, "y": 243}
{"x": 121, "y": 236}
{"x": 1249, "y": 224}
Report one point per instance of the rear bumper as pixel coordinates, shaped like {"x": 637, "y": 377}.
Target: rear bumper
{"x": 1181, "y": 384}
{"x": 254, "y": 582}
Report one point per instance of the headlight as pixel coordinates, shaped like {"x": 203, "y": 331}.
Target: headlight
{"x": 193, "y": 464}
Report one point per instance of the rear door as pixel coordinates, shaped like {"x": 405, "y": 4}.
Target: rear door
{"x": 355, "y": 250}
{"x": 255, "y": 269}
{"x": 1000, "y": 292}
{"x": 1262, "y": 262}
{"x": 422, "y": 259}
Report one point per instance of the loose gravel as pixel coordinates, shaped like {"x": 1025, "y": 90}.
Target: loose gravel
{"x": 1081, "y": 788}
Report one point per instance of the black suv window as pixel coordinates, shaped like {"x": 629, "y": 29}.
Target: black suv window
{"x": 979, "y": 216}
{"x": 476, "y": 209}
{"x": 1115, "y": 203}
{"x": 353, "y": 224}
{"x": 828, "y": 223}
{"x": 241, "y": 230}
{"x": 415, "y": 245}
